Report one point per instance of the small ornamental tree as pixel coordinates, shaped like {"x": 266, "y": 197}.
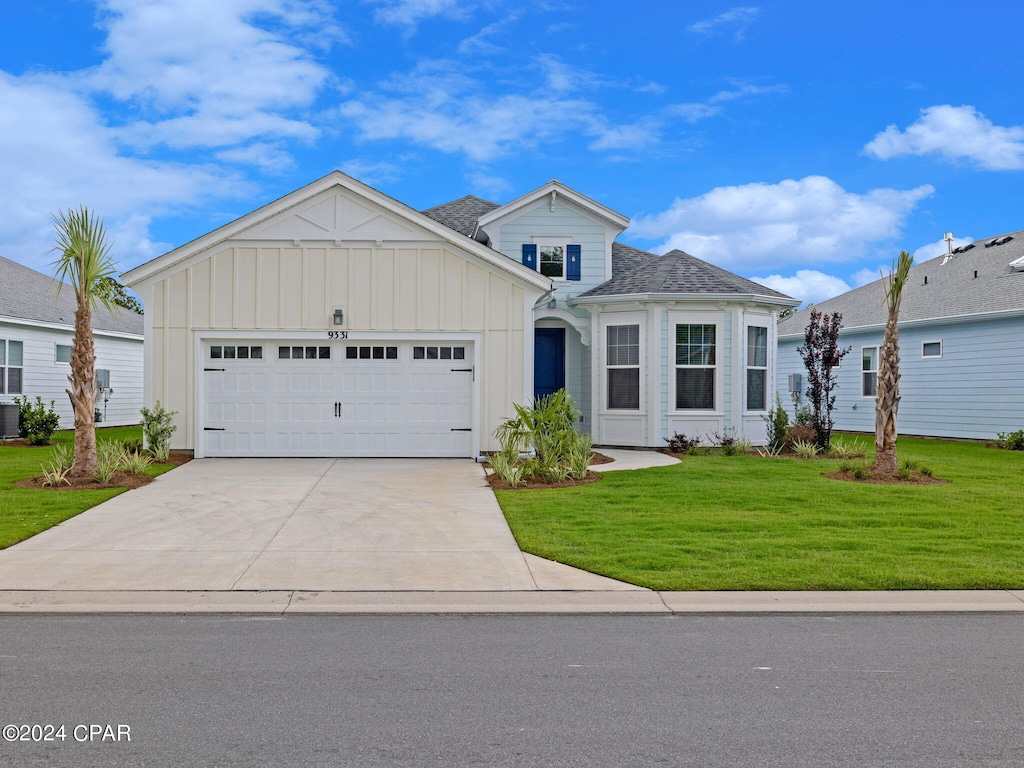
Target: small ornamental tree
{"x": 821, "y": 353}
{"x": 887, "y": 400}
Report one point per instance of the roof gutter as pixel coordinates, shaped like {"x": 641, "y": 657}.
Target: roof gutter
{"x": 741, "y": 298}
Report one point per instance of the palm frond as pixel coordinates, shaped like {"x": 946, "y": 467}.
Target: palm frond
{"x": 84, "y": 258}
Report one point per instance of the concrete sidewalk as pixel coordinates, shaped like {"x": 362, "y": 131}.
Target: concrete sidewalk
{"x": 635, "y": 602}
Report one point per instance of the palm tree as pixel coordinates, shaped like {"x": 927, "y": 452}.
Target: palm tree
{"x": 85, "y": 263}
{"x": 887, "y": 399}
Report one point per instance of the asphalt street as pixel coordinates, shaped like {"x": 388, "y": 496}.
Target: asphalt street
{"x": 936, "y": 691}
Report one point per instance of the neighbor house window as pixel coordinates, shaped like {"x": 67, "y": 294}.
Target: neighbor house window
{"x": 869, "y": 371}
{"x": 757, "y": 368}
{"x": 931, "y": 349}
{"x": 63, "y": 353}
{"x": 695, "y": 366}
{"x": 623, "y": 360}
{"x": 10, "y": 367}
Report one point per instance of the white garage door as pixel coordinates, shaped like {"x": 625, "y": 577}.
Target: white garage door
{"x": 343, "y": 399}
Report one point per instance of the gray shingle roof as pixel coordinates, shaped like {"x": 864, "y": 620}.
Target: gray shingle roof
{"x": 677, "y": 272}
{"x": 30, "y": 295}
{"x": 462, "y": 214}
{"x": 951, "y": 290}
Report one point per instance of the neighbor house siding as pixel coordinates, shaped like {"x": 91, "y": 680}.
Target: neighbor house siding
{"x": 563, "y": 222}
{"x": 422, "y": 288}
{"x": 48, "y": 379}
{"x": 972, "y": 391}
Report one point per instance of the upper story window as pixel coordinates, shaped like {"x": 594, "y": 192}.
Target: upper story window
{"x": 931, "y": 349}
{"x": 552, "y": 260}
{"x": 62, "y": 354}
{"x": 557, "y": 259}
{"x": 10, "y": 367}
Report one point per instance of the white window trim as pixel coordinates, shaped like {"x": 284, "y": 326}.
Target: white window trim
{"x": 696, "y": 318}
{"x": 931, "y": 357}
{"x": 878, "y": 360}
{"x": 748, "y": 367}
{"x": 614, "y": 319}
{"x": 562, "y": 242}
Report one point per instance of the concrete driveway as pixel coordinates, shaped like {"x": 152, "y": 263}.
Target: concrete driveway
{"x": 294, "y": 524}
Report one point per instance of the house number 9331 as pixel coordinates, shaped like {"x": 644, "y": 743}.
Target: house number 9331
{"x": 337, "y": 334}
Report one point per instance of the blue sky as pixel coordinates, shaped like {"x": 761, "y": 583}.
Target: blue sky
{"x": 800, "y": 143}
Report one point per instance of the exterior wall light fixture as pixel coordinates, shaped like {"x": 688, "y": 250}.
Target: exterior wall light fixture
{"x": 339, "y": 317}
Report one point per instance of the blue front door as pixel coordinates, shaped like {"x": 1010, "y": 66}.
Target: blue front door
{"x": 548, "y": 361}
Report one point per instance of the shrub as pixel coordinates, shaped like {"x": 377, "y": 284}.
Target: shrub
{"x": 806, "y": 449}
{"x": 133, "y": 462}
{"x": 507, "y": 467}
{"x": 680, "y": 443}
{"x": 157, "y": 427}
{"x": 843, "y": 450}
{"x": 132, "y": 445}
{"x": 108, "y": 460}
{"x": 36, "y": 423}
{"x": 57, "y": 469}
{"x": 909, "y": 466}
{"x": 579, "y": 457}
{"x": 769, "y": 450}
{"x": 725, "y": 443}
{"x": 799, "y": 434}
{"x": 700, "y": 450}
{"x": 545, "y": 430}
{"x": 777, "y": 421}
{"x": 1012, "y": 441}
{"x": 804, "y": 416}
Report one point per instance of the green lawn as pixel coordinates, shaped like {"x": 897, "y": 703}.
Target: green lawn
{"x": 738, "y": 523}
{"x": 25, "y": 512}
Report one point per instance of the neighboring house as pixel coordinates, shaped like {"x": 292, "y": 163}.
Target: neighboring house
{"x": 961, "y": 345}
{"x": 36, "y": 330}
{"x": 337, "y": 321}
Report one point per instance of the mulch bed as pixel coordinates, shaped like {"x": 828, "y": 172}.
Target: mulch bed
{"x": 117, "y": 480}
{"x": 498, "y": 484}
{"x": 916, "y": 478}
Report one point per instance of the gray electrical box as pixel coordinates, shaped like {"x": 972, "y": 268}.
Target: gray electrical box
{"x": 102, "y": 378}
{"x": 8, "y": 420}
{"x": 796, "y": 382}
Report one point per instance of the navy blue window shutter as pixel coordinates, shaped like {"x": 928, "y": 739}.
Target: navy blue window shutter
{"x": 572, "y": 265}
{"x": 530, "y": 255}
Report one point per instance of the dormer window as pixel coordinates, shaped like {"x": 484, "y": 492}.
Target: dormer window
{"x": 552, "y": 261}
{"x": 553, "y": 257}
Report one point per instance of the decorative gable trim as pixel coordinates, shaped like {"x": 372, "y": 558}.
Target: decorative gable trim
{"x": 398, "y": 216}
{"x": 544, "y": 195}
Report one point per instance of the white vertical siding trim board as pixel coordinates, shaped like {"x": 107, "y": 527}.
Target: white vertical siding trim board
{"x": 653, "y": 364}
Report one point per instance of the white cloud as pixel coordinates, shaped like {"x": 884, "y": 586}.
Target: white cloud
{"x": 488, "y": 185}
{"x": 372, "y": 173}
{"x": 810, "y": 220}
{"x": 808, "y": 285}
{"x": 738, "y": 18}
{"x": 207, "y": 74}
{"x": 409, "y": 13}
{"x": 955, "y": 133}
{"x": 57, "y": 153}
{"x": 867, "y": 275}
{"x": 269, "y": 158}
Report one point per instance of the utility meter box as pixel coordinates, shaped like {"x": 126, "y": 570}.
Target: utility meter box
{"x": 796, "y": 382}
{"x": 102, "y": 378}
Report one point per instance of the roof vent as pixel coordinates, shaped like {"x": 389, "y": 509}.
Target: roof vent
{"x": 1004, "y": 239}
{"x": 991, "y": 242}
{"x": 966, "y": 248}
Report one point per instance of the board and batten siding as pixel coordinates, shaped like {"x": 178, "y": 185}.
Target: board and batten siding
{"x": 564, "y": 222}
{"x": 418, "y": 288}
{"x": 42, "y": 375}
{"x": 972, "y": 391}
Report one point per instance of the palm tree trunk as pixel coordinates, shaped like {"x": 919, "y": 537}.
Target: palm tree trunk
{"x": 83, "y": 394}
{"x": 887, "y": 400}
